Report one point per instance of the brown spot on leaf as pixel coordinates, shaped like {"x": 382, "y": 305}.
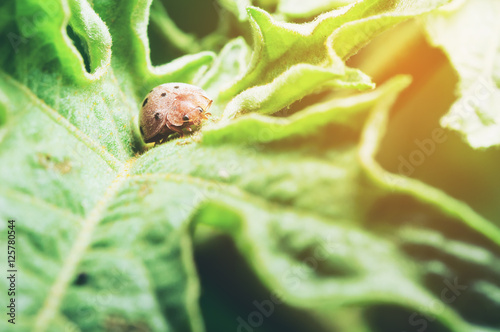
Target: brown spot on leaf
{"x": 115, "y": 323}
{"x": 50, "y": 163}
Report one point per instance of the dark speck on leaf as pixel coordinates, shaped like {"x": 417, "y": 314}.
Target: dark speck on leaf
{"x": 81, "y": 279}
{"x": 145, "y": 102}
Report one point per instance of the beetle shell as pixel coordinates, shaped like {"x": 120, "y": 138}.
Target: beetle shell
{"x": 171, "y": 107}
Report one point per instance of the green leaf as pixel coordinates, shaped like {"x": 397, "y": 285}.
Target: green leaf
{"x": 134, "y": 69}
{"x": 371, "y": 139}
{"x": 298, "y": 82}
{"x": 256, "y": 128}
{"x": 469, "y": 35}
{"x": 78, "y": 132}
{"x": 182, "y": 41}
{"x": 279, "y": 46}
{"x": 229, "y": 64}
{"x": 89, "y": 27}
{"x": 265, "y": 195}
{"x": 294, "y": 9}
{"x": 238, "y": 8}
{"x": 291, "y": 61}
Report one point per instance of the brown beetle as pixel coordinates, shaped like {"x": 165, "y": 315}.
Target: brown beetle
{"x": 171, "y": 107}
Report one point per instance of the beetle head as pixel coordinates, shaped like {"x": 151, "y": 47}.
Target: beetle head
{"x": 196, "y": 115}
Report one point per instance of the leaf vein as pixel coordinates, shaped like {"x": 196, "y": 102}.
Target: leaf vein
{"x": 111, "y": 160}
{"x": 35, "y": 200}
{"x": 56, "y": 293}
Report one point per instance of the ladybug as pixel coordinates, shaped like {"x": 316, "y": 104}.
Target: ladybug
{"x": 171, "y": 107}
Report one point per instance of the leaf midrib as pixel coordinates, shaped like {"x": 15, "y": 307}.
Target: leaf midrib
{"x": 56, "y": 293}
{"x": 58, "y": 289}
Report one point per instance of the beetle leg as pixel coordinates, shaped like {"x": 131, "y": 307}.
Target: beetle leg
{"x": 177, "y": 130}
